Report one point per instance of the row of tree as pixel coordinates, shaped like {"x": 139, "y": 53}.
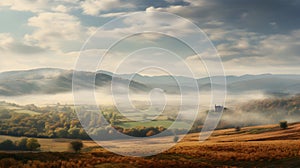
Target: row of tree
{"x": 46, "y": 125}
{"x": 25, "y": 144}
{"x": 66, "y": 125}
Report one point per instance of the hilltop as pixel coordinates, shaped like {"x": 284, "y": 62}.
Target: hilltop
{"x": 52, "y": 81}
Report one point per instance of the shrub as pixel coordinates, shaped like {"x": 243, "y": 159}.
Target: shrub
{"x": 283, "y": 124}
{"x": 7, "y": 145}
{"x": 22, "y": 144}
{"x": 76, "y": 145}
{"x": 8, "y": 162}
{"x": 176, "y": 138}
{"x": 32, "y": 144}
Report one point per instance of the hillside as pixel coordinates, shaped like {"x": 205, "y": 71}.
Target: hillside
{"x": 259, "y": 146}
{"x": 287, "y": 106}
{"x": 261, "y": 112}
{"x": 266, "y": 83}
{"x": 252, "y": 133}
{"x": 52, "y": 81}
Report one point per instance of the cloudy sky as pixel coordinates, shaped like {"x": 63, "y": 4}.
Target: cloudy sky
{"x": 251, "y": 37}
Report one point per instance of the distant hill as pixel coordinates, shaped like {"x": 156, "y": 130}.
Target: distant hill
{"x": 288, "y": 106}
{"x": 52, "y": 81}
{"x": 260, "y": 112}
{"x": 267, "y": 83}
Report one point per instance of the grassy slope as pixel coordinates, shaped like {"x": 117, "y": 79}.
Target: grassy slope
{"x": 164, "y": 123}
{"x": 261, "y": 146}
{"x": 17, "y": 109}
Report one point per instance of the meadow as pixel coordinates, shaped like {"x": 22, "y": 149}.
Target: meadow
{"x": 163, "y": 123}
{"x": 272, "y": 147}
{"x": 249, "y": 146}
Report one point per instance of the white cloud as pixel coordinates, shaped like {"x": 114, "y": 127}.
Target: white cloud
{"x": 26, "y": 5}
{"x": 253, "y": 53}
{"x": 95, "y": 7}
{"x": 198, "y": 2}
{"x": 54, "y": 30}
{"x": 5, "y": 40}
{"x": 215, "y": 23}
{"x": 61, "y": 8}
{"x": 116, "y": 14}
{"x": 234, "y": 43}
{"x": 8, "y": 44}
{"x": 12, "y": 61}
{"x": 281, "y": 44}
{"x": 154, "y": 25}
{"x": 38, "y": 6}
{"x": 275, "y": 49}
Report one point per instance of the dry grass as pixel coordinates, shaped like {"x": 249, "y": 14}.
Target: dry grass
{"x": 262, "y": 146}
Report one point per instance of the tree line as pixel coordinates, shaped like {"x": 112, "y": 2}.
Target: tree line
{"x": 25, "y": 144}
{"x": 65, "y": 125}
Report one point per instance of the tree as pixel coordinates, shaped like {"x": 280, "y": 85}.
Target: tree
{"x": 5, "y": 114}
{"x": 283, "y": 124}
{"x": 76, "y": 145}
{"x": 22, "y": 144}
{"x": 112, "y": 122}
{"x": 74, "y": 132}
{"x": 61, "y": 132}
{"x": 7, "y": 145}
{"x": 32, "y": 144}
{"x": 175, "y": 139}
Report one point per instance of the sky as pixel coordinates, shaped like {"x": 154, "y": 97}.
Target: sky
{"x": 250, "y": 37}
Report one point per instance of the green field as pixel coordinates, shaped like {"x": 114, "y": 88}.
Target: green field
{"x": 9, "y": 107}
{"x": 163, "y": 123}
{"x": 16, "y": 109}
{"x": 26, "y": 112}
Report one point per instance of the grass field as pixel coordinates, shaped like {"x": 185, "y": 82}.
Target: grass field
{"x": 17, "y": 109}
{"x": 9, "y": 107}
{"x": 163, "y": 123}
{"x": 271, "y": 146}
{"x": 51, "y": 145}
{"x": 26, "y": 112}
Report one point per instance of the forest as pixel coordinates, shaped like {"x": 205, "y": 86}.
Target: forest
{"x": 60, "y": 121}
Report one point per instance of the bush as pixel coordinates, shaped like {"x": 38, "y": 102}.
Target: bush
{"x": 76, "y": 145}
{"x": 32, "y": 144}
{"x": 22, "y": 144}
{"x": 7, "y": 145}
{"x": 8, "y": 162}
{"x": 283, "y": 124}
{"x": 176, "y": 138}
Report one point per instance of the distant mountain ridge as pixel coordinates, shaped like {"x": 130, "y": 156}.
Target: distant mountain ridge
{"x": 52, "y": 81}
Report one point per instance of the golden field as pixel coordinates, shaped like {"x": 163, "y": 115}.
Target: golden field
{"x": 257, "y": 146}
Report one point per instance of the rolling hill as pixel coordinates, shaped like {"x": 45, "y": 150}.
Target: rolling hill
{"x": 267, "y": 83}
{"x": 52, "y": 81}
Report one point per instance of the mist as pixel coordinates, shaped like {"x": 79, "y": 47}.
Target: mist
{"x": 155, "y": 102}
{"x": 104, "y": 96}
